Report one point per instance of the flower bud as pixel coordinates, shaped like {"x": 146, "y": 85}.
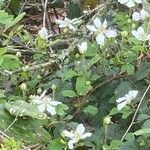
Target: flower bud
{"x": 18, "y": 54}
{"x": 65, "y": 30}
{"x": 53, "y": 87}
{"x": 82, "y": 47}
{"x": 129, "y": 21}
{"x": 39, "y": 91}
{"x": 77, "y": 55}
{"x": 124, "y": 33}
{"x": 39, "y": 77}
{"x": 23, "y": 86}
{"x": 88, "y": 83}
{"x": 26, "y": 68}
{"x": 133, "y": 25}
{"x": 107, "y": 120}
{"x": 43, "y": 33}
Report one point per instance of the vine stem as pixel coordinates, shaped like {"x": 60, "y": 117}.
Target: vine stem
{"x": 134, "y": 116}
{"x": 44, "y": 15}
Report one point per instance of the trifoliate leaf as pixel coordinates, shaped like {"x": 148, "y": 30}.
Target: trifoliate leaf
{"x": 22, "y": 108}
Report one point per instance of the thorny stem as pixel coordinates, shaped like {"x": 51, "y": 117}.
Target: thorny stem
{"x": 106, "y": 131}
{"x": 134, "y": 116}
{"x": 11, "y": 124}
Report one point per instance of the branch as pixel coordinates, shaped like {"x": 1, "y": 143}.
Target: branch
{"x": 134, "y": 116}
{"x": 32, "y": 68}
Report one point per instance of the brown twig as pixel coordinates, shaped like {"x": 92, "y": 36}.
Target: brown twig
{"x": 99, "y": 85}
{"x": 32, "y": 68}
{"x": 22, "y": 8}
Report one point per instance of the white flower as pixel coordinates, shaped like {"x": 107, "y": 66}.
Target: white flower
{"x": 76, "y": 136}
{"x": 82, "y": 47}
{"x": 43, "y": 33}
{"x": 123, "y": 101}
{"x": 142, "y": 15}
{"x": 130, "y": 3}
{"x": 67, "y": 23}
{"x": 141, "y": 35}
{"x": 45, "y": 103}
{"x": 101, "y": 30}
{"x": 23, "y": 86}
{"x": 136, "y": 16}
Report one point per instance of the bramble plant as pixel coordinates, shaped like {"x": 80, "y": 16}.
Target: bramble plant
{"x": 77, "y": 83}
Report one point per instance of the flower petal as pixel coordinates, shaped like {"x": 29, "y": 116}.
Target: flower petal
{"x": 43, "y": 33}
{"x": 97, "y": 23}
{"x": 85, "y": 135}
{"x": 63, "y": 25}
{"x": 144, "y": 14}
{"x": 136, "y": 34}
{"x": 121, "y": 105}
{"x": 71, "y": 27}
{"x": 70, "y": 144}
{"x": 138, "y": 1}
{"x": 83, "y": 47}
{"x": 54, "y": 103}
{"x": 110, "y": 33}
{"x": 58, "y": 21}
{"x": 131, "y": 95}
{"x": 100, "y": 38}
{"x": 140, "y": 30}
{"x": 51, "y": 110}
{"x": 91, "y": 28}
{"x": 41, "y": 107}
{"x": 80, "y": 129}
{"x": 136, "y": 16}
{"x": 104, "y": 25}
{"x": 43, "y": 94}
{"x": 68, "y": 134}
{"x": 121, "y": 99}
{"x": 130, "y": 4}
{"x": 123, "y": 1}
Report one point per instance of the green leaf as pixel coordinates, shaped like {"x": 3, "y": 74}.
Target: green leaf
{"x": 123, "y": 88}
{"x": 129, "y": 145}
{"x": 143, "y": 71}
{"x": 1, "y": 3}
{"x": 94, "y": 60}
{"x": 15, "y": 21}
{"x": 126, "y": 112}
{"x": 61, "y": 109}
{"x": 92, "y": 50}
{"x": 56, "y": 145}
{"x": 91, "y": 110}
{"x": 2, "y": 51}
{"x": 10, "y": 63}
{"x": 2, "y": 93}
{"x": 128, "y": 68}
{"x": 69, "y": 74}
{"x": 27, "y": 130}
{"x": 69, "y": 93}
{"x": 81, "y": 87}
{"x": 142, "y": 131}
{"x": 5, "y": 18}
{"x": 22, "y": 108}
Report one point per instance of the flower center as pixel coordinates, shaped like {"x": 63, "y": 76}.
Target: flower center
{"x": 77, "y": 136}
{"x": 144, "y": 37}
{"x": 101, "y": 30}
